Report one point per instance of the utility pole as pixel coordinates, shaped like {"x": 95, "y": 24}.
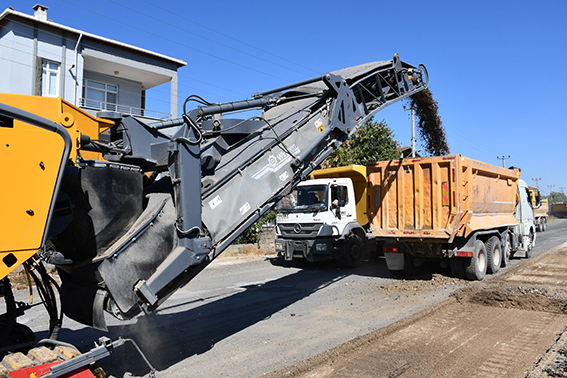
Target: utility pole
{"x": 536, "y": 182}
{"x": 562, "y": 189}
{"x": 551, "y": 191}
{"x": 413, "y": 139}
{"x": 503, "y": 158}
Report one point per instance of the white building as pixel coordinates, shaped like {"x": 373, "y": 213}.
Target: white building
{"x": 41, "y": 57}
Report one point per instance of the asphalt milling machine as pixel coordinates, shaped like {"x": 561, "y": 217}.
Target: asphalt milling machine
{"x": 115, "y": 204}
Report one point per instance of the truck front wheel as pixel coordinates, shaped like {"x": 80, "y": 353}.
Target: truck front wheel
{"x": 530, "y": 244}
{"x": 475, "y": 267}
{"x": 354, "y": 254}
{"x": 506, "y": 250}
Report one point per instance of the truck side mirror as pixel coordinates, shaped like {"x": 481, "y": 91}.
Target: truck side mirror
{"x": 341, "y": 195}
{"x": 537, "y": 200}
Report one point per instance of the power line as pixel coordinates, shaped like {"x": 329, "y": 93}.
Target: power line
{"x": 176, "y": 42}
{"x": 536, "y": 181}
{"x": 228, "y": 36}
{"x": 201, "y": 36}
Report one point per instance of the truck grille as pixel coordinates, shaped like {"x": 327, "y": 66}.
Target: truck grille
{"x": 306, "y": 230}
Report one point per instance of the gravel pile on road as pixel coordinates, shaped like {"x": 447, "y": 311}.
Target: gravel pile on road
{"x": 420, "y": 284}
{"x": 509, "y": 295}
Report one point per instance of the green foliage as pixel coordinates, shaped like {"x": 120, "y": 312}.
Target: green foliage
{"x": 372, "y": 142}
{"x": 557, "y": 197}
{"x": 252, "y": 233}
{"x": 250, "y": 236}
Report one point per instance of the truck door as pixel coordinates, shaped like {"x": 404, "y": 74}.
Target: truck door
{"x": 342, "y": 204}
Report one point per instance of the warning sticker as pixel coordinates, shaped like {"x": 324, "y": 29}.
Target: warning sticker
{"x": 245, "y": 208}
{"x": 215, "y": 202}
{"x": 319, "y": 125}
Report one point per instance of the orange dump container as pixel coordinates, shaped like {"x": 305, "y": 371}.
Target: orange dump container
{"x": 439, "y": 197}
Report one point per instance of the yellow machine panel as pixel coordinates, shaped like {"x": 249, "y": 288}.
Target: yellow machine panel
{"x": 55, "y": 109}
{"x": 31, "y": 158}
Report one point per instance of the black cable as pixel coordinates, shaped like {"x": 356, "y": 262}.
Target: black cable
{"x": 283, "y": 146}
{"x": 197, "y": 99}
{"x": 48, "y": 297}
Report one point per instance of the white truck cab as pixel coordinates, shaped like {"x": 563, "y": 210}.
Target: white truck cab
{"x": 321, "y": 218}
{"x": 524, "y": 213}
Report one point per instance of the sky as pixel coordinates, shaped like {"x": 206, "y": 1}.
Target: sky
{"x": 494, "y": 66}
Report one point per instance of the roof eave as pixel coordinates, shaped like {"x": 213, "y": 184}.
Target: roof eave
{"x": 10, "y": 11}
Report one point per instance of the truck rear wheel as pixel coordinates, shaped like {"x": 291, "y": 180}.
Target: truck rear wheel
{"x": 412, "y": 265}
{"x": 493, "y": 255}
{"x": 354, "y": 254}
{"x": 475, "y": 268}
{"x": 506, "y": 250}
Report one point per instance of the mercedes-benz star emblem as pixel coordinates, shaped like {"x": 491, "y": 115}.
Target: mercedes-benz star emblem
{"x": 297, "y": 228}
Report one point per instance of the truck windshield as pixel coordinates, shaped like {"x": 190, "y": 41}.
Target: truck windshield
{"x": 305, "y": 199}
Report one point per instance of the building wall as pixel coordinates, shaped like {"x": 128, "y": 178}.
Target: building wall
{"x": 16, "y": 65}
{"x": 18, "y": 68}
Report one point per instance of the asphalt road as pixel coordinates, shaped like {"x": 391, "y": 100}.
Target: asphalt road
{"x": 245, "y": 318}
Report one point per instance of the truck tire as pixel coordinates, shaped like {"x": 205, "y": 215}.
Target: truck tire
{"x": 412, "y": 265}
{"x": 475, "y": 267}
{"x": 458, "y": 267}
{"x": 530, "y": 244}
{"x": 543, "y": 224}
{"x": 506, "y": 250}
{"x": 493, "y": 255}
{"x": 354, "y": 253}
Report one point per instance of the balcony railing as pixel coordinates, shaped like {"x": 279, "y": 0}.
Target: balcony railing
{"x": 122, "y": 109}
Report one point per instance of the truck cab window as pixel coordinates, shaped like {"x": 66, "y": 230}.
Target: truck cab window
{"x": 339, "y": 192}
{"x": 305, "y": 199}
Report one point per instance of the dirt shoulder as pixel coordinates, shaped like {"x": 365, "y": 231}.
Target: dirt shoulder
{"x": 512, "y": 325}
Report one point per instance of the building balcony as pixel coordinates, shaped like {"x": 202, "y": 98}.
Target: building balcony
{"x": 94, "y": 105}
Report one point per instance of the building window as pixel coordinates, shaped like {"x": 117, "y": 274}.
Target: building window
{"x": 100, "y": 95}
{"x": 50, "y": 78}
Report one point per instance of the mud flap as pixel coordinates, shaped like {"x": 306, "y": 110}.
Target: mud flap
{"x": 394, "y": 261}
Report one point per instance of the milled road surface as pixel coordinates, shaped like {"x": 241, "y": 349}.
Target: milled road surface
{"x": 247, "y": 318}
{"x": 498, "y": 328}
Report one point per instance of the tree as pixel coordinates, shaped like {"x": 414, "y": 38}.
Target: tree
{"x": 252, "y": 233}
{"x": 371, "y": 142}
{"x": 557, "y": 197}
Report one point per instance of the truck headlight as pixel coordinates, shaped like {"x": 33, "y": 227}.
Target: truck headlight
{"x": 321, "y": 246}
{"x": 279, "y": 246}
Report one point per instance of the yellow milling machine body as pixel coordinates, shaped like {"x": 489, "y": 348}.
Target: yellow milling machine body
{"x": 33, "y": 156}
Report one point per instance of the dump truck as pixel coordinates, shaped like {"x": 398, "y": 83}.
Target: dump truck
{"x": 465, "y": 213}
{"x": 559, "y": 209}
{"x": 541, "y": 210}
{"x": 324, "y": 218}
{"x": 129, "y": 213}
